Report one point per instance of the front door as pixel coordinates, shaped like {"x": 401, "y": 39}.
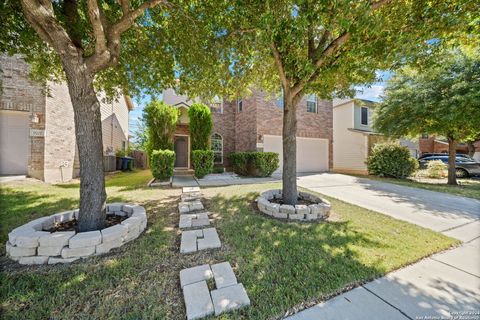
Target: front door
{"x": 181, "y": 151}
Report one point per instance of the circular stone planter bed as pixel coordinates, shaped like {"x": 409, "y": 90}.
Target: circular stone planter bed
{"x": 31, "y": 244}
{"x": 314, "y": 209}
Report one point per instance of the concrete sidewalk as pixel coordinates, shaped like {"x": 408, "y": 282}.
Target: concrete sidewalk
{"x": 445, "y": 285}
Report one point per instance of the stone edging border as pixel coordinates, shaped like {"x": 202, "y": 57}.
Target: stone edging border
{"x": 320, "y": 210}
{"x": 29, "y": 244}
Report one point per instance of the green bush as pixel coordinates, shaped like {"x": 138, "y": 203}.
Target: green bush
{"x": 258, "y": 164}
{"x": 436, "y": 169}
{"x": 162, "y": 163}
{"x": 202, "y": 161}
{"x": 239, "y": 162}
{"x": 391, "y": 160}
{"x": 160, "y": 121}
{"x": 201, "y": 126}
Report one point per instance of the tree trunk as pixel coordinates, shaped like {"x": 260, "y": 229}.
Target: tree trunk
{"x": 289, "y": 133}
{"x": 88, "y": 130}
{"x": 471, "y": 148}
{"x": 452, "y": 155}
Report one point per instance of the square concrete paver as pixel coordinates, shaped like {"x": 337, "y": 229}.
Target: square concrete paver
{"x": 223, "y": 275}
{"x": 358, "y": 304}
{"x": 466, "y": 257}
{"x": 190, "y": 189}
{"x": 194, "y": 220}
{"x": 210, "y": 239}
{"x": 195, "y": 274}
{"x": 198, "y": 303}
{"x": 229, "y": 298}
{"x": 189, "y": 240}
{"x": 429, "y": 289}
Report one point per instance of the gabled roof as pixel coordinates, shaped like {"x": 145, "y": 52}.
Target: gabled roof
{"x": 369, "y": 103}
{"x": 181, "y": 104}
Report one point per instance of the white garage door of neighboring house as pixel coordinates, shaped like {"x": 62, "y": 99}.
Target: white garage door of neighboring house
{"x": 14, "y": 134}
{"x": 312, "y": 153}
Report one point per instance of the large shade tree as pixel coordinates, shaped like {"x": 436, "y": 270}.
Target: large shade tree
{"x": 327, "y": 47}
{"x": 440, "y": 98}
{"x": 116, "y": 46}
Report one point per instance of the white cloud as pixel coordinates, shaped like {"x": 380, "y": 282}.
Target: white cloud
{"x": 372, "y": 92}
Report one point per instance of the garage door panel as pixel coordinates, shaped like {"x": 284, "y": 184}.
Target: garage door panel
{"x": 14, "y": 135}
{"x": 312, "y": 154}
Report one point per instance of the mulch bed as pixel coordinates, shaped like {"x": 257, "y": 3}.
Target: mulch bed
{"x": 72, "y": 225}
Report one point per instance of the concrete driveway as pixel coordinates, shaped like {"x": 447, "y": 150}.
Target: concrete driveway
{"x": 458, "y": 217}
{"x": 444, "y": 286}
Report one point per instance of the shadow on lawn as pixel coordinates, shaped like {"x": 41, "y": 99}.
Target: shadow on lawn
{"x": 286, "y": 265}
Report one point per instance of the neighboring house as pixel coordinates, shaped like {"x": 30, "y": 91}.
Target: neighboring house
{"x": 432, "y": 144}
{"x": 353, "y": 136}
{"x": 476, "y": 155}
{"x": 254, "y": 123}
{"x": 37, "y": 130}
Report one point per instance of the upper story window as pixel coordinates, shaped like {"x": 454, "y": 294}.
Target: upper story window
{"x": 217, "y": 147}
{"x": 239, "y": 105}
{"x": 312, "y": 103}
{"x": 216, "y": 106}
{"x": 279, "y": 101}
{"x": 364, "y": 116}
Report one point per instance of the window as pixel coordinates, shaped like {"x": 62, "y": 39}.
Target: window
{"x": 124, "y": 145}
{"x": 364, "y": 119}
{"x": 279, "y": 101}
{"x": 312, "y": 103}
{"x": 217, "y": 148}
{"x": 239, "y": 105}
{"x": 216, "y": 106}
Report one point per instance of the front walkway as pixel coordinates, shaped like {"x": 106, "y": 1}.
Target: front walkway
{"x": 445, "y": 285}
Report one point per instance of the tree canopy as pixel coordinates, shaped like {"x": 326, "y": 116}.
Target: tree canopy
{"x": 442, "y": 98}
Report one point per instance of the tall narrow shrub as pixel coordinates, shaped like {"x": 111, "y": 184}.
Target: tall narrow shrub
{"x": 161, "y": 120}
{"x": 201, "y": 126}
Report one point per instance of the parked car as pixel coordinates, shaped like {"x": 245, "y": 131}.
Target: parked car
{"x": 444, "y": 154}
{"x": 465, "y": 166}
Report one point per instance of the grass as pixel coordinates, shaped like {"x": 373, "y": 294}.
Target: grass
{"x": 466, "y": 187}
{"x": 283, "y": 266}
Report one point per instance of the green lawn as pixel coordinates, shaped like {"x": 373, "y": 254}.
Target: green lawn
{"x": 466, "y": 187}
{"x": 282, "y": 265}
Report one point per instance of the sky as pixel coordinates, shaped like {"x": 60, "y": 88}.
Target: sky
{"x": 371, "y": 92}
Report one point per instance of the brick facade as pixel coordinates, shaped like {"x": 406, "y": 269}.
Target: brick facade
{"x": 53, "y": 155}
{"x": 244, "y": 130}
{"x": 432, "y": 145}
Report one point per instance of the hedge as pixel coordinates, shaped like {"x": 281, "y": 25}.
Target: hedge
{"x": 162, "y": 163}
{"x": 391, "y": 160}
{"x": 160, "y": 120}
{"x": 200, "y": 126}
{"x": 202, "y": 161}
{"x": 258, "y": 164}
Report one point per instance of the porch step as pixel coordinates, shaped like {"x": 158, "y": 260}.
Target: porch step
{"x": 183, "y": 172}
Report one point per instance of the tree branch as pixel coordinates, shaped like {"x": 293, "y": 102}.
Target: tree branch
{"x": 125, "y": 4}
{"x": 97, "y": 25}
{"x": 41, "y": 17}
{"x": 331, "y": 50}
{"x": 280, "y": 66}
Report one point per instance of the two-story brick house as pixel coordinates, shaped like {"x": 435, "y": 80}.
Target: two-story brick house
{"x": 37, "y": 130}
{"x": 254, "y": 123}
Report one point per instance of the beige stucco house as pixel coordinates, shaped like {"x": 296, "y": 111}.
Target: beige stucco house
{"x": 37, "y": 131}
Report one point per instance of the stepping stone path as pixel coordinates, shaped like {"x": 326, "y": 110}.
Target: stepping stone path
{"x": 200, "y": 302}
{"x": 196, "y": 282}
{"x": 196, "y": 240}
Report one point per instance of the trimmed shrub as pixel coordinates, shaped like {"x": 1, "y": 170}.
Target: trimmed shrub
{"x": 391, "y": 160}
{"x": 258, "y": 164}
{"x": 436, "y": 169}
{"x": 160, "y": 120}
{"x": 162, "y": 163}
{"x": 202, "y": 161}
{"x": 201, "y": 126}
{"x": 239, "y": 162}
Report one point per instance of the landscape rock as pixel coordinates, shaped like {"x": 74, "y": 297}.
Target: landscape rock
{"x": 55, "y": 239}
{"x": 33, "y": 260}
{"x": 85, "y": 239}
{"x": 77, "y": 252}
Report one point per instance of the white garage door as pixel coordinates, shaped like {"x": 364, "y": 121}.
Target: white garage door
{"x": 14, "y": 135}
{"x": 312, "y": 153}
